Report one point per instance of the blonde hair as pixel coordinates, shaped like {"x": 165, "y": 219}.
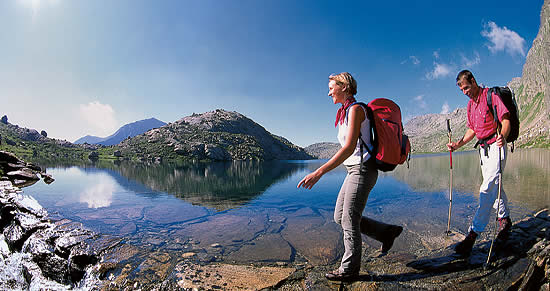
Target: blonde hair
{"x": 345, "y": 79}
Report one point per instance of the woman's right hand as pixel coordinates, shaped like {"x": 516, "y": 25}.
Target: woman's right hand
{"x": 310, "y": 180}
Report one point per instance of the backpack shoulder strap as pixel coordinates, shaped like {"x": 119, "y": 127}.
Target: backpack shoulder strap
{"x": 369, "y": 115}
{"x": 490, "y": 101}
{"x": 365, "y": 107}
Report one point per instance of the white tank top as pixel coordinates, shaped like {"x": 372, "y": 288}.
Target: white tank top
{"x": 355, "y": 158}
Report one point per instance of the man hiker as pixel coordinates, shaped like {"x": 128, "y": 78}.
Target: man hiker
{"x": 482, "y": 125}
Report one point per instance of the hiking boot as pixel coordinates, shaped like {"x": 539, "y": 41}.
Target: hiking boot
{"x": 465, "y": 247}
{"x": 336, "y": 275}
{"x": 390, "y": 237}
{"x": 504, "y": 225}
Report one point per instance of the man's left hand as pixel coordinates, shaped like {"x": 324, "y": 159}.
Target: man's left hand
{"x": 500, "y": 140}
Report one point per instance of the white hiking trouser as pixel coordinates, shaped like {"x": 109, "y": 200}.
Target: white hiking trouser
{"x": 488, "y": 192}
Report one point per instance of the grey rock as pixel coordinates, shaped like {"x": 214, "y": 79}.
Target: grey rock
{"x": 216, "y": 153}
{"x": 31, "y": 135}
{"x": 93, "y": 155}
{"x": 48, "y": 179}
{"x": 8, "y": 157}
{"x": 30, "y": 205}
{"x": 13, "y": 234}
{"x": 23, "y": 174}
{"x": 37, "y": 245}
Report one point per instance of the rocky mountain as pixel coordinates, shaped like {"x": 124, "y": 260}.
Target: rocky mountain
{"x": 29, "y": 143}
{"x": 428, "y": 133}
{"x": 128, "y": 130}
{"x": 215, "y": 135}
{"x": 533, "y": 88}
{"x": 323, "y": 150}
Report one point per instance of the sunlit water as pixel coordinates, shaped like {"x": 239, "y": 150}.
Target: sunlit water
{"x": 253, "y": 212}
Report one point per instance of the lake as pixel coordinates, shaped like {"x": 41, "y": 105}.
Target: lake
{"x": 251, "y": 212}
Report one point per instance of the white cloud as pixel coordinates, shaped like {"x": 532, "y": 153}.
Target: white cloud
{"x": 101, "y": 117}
{"x": 412, "y": 59}
{"x": 100, "y": 194}
{"x": 436, "y": 54}
{"x": 503, "y": 39}
{"x": 439, "y": 71}
{"x": 468, "y": 63}
{"x": 420, "y": 102}
{"x": 445, "y": 108}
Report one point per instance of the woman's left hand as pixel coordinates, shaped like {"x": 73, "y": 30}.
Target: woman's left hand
{"x": 309, "y": 180}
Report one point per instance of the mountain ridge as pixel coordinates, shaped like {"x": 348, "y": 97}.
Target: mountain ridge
{"x": 128, "y": 130}
{"x": 214, "y": 135}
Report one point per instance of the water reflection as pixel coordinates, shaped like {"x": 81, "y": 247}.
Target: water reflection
{"x": 526, "y": 178}
{"x": 221, "y": 186}
{"x": 101, "y": 194}
{"x": 282, "y": 223}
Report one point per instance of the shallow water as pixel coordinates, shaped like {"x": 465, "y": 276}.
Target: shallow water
{"x": 248, "y": 212}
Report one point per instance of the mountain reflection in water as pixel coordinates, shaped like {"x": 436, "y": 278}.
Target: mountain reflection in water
{"x": 221, "y": 185}
{"x": 248, "y": 212}
{"x": 526, "y": 177}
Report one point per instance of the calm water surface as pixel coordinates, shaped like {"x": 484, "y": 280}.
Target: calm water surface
{"x": 253, "y": 212}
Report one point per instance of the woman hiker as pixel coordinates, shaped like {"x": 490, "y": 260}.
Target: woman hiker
{"x": 359, "y": 181}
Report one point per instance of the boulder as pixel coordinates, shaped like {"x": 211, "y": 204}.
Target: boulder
{"x": 8, "y": 157}
{"x": 48, "y": 179}
{"x": 4, "y": 119}
{"x": 216, "y": 153}
{"x": 36, "y": 254}
{"x": 93, "y": 156}
{"x": 23, "y": 174}
{"x": 32, "y": 135}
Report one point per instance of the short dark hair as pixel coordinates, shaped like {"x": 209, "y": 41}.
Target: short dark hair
{"x": 465, "y": 74}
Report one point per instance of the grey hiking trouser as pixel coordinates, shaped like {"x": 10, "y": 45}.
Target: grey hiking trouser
{"x": 348, "y": 213}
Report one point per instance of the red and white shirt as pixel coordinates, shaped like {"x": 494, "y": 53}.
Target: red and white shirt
{"x": 480, "y": 119}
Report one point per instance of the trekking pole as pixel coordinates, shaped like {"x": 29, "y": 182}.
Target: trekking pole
{"x": 498, "y": 199}
{"x": 448, "y": 232}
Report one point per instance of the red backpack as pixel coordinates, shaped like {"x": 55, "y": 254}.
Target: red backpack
{"x": 390, "y": 147}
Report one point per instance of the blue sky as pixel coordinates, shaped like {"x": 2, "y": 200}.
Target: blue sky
{"x": 88, "y": 67}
